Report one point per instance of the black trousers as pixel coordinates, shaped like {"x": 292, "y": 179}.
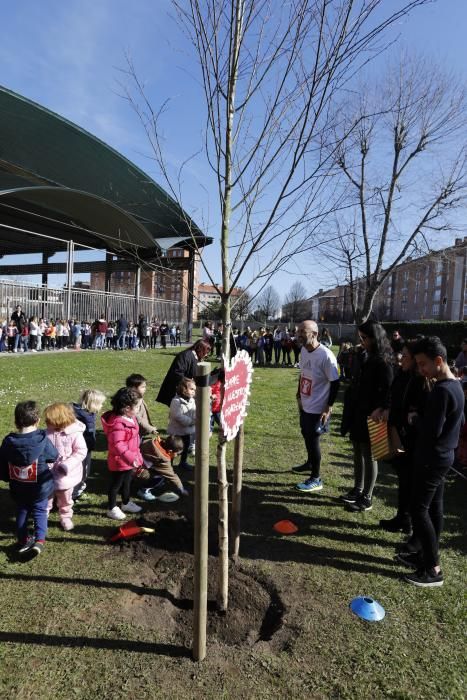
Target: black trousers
{"x": 309, "y": 424}
{"x": 403, "y": 467}
{"x": 427, "y": 510}
{"x": 120, "y": 483}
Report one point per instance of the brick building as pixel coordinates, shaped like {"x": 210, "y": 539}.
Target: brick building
{"x": 166, "y": 284}
{"x": 432, "y": 287}
{"x": 207, "y": 294}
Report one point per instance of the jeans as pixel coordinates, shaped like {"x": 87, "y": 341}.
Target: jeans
{"x": 365, "y": 468}
{"x": 39, "y": 512}
{"x": 309, "y": 424}
{"x": 427, "y": 510}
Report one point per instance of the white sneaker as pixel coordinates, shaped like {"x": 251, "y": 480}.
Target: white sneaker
{"x": 116, "y": 514}
{"x": 131, "y": 507}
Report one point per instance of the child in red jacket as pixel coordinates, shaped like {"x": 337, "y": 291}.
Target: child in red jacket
{"x": 122, "y": 431}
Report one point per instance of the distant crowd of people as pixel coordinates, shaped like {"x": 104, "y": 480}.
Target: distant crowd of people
{"x": 278, "y": 346}
{"x": 32, "y": 334}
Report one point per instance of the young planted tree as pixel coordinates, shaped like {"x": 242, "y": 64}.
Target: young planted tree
{"x": 272, "y": 75}
{"x": 404, "y": 170}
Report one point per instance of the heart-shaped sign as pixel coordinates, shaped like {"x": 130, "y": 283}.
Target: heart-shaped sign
{"x": 238, "y": 375}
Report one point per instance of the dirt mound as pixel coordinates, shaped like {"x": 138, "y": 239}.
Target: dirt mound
{"x": 163, "y": 595}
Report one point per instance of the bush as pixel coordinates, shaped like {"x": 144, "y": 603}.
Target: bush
{"x": 451, "y": 333}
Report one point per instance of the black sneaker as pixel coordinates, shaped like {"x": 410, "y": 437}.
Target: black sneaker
{"x": 351, "y": 497}
{"x": 396, "y": 524}
{"x": 361, "y": 505}
{"x": 425, "y": 578}
{"x": 37, "y": 548}
{"x": 302, "y": 468}
{"x": 25, "y": 546}
{"x": 412, "y": 560}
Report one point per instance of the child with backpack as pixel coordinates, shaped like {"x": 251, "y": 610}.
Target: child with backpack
{"x": 25, "y": 458}
{"x": 86, "y": 410}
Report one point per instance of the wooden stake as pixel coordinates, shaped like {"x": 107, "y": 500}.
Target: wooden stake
{"x": 200, "y": 598}
{"x": 223, "y": 526}
{"x": 237, "y": 493}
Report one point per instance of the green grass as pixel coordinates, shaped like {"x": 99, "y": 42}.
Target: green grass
{"x": 64, "y": 632}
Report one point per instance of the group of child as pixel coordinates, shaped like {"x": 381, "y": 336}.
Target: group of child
{"x": 53, "y": 464}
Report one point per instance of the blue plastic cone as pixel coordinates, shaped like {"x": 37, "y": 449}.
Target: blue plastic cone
{"x": 367, "y": 608}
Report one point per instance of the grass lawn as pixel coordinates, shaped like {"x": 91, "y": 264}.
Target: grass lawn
{"x": 69, "y": 626}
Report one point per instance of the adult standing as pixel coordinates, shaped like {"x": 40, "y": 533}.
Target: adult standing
{"x": 367, "y": 396}
{"x": 318, "y": 385}
{"x": 142, "y": 331}
{"x": 184, "y": 365}
{"x": 19, "y": 317}
{"x": 164, "y": 331}
{"x": 122, "y": 327}
{"x": 326, "y": 339}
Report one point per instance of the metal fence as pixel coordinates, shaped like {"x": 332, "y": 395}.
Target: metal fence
{"x": 85, "y": 304}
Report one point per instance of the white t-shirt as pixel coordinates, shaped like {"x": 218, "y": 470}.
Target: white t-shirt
{"x": 318, "y": 367}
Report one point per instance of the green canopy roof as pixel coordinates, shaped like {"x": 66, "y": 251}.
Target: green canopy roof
{"x": 56, "y": 178}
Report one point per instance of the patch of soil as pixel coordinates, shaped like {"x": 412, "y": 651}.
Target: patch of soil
{"x": 162, "y": 597}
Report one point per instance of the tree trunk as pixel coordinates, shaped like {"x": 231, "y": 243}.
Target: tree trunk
{"x": 223, "y": 485}
{"x": 237, "y": 493}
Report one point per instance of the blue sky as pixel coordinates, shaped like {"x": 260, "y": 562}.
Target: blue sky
{"x": 68, "y": 56}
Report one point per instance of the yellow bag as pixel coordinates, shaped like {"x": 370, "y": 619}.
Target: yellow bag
{"x": 379, "y": 439}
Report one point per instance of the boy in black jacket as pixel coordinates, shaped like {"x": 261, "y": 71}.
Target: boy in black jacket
{"x": 434, "y": 455}
{"x": 24, "y": 458}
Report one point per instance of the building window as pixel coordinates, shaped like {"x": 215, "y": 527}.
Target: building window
{"x": 435, "y": 309}
{"x": 437, "y": 295}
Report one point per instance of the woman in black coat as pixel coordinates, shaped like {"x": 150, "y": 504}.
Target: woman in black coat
{"x": 184, "y": 365}
{"x": 368, "y": 396}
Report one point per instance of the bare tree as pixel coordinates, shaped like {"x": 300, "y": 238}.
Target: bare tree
{"x": 295, "y": 305}
{"x": 271, "y": 75}
{"x": 404, "y": 167}
{"x": 268, "y": 303}
{"x": 241, "y": 307}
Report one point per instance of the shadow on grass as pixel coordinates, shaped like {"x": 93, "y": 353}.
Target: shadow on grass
{"x": 275, "y": 549}
{"x": 179, "y": 603}
{"x": 51, "y": 640}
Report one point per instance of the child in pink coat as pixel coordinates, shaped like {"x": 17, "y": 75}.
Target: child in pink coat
{"x": 66, "y": 435}
{"x": 124, "y": 456}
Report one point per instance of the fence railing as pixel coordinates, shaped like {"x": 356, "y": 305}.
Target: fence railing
{"x": 85, "y": 304}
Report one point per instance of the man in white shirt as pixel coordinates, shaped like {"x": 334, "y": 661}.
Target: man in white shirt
{"x": 317, "y": 390}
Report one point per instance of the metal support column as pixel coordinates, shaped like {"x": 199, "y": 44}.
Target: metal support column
{"x": 45, "y": 282}
{"x": 137, "y": 292}
{"x": 69, "y": 277}
{"x": 190, "y": 299}
{"x": 108, "y": 281}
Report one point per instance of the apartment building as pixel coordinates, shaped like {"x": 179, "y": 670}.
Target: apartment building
{"x": 207, "y": 294}
{"x": 432, "y": 287}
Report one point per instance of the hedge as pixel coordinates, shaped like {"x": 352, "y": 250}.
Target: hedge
{"x": 452, "y": 333}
